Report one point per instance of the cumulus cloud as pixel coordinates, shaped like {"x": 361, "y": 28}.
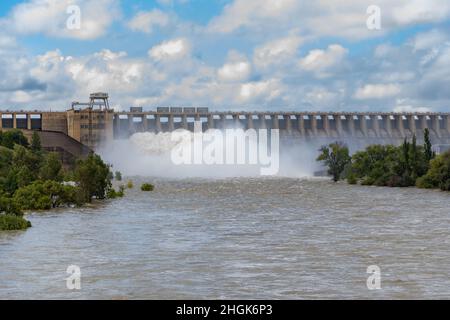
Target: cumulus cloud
{"x": 146, "y": 21}
{"x": 276, "y": 51}
{"x": 251, "y": 14}
{"x": 172, "y": 49}
{"x": 50, "y": 17}
{"x": 321, "y": 61}
{"x": 377, "y": 91}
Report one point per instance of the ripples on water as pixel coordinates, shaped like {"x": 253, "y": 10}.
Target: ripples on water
{"x": 237, "y": 239}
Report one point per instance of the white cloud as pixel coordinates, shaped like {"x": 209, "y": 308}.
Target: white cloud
{"x": 277, "y": 51}
{"x": 50, "y": 17}
{"x": 251, "y": 13}
{"x": 261, "y": 90}
{"x": 234, "y": 71}
{"x": 172, "y": 49}
{"x": 377, "y": 91}
{"x": 320, "y": 61}
{"x": 146, "y": 21}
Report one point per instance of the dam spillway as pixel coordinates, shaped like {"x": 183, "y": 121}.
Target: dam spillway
{"x": 319, "y": 126}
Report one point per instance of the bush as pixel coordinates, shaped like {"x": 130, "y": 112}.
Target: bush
{"x": 113, "y": 194}
{"x": 46, "y": 195}
{"x": 438, "y": 176}
{"x": 130, "y": 185}
{"x": 118, "y": 176}
{"x": 147, "y": 187}
{"x": 11, "y": 222}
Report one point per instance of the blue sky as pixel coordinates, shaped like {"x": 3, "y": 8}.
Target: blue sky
{"x": 227, "y": 54}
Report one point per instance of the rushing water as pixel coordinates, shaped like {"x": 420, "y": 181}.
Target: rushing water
{"x": 237, "y": 238}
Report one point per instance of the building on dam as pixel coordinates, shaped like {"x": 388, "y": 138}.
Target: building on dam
{"x": 88, "y": 126}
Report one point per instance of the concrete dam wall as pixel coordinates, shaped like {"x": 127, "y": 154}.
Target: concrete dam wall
{"x": 356, "y": 128}
{"x": 96, "y": 127}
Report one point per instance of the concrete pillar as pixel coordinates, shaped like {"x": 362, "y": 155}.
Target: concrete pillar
{"x": 326, "y": 124}
{"x": 145, "y": 123}
{"x": 301, "y": 124}
{"x": 400, "y": 127}
{"x": 131, "y": 127}
{"x": 275, "y": 122}
{"x": 412, "y": 123}
{"x": 287, "y": 120}
{"x": 236, "y": 118}
{"x": 338, "y": 121}
{"x": 184, "y": 123}
{"x": 313, "y": 120}
{"x": 376, "y": 125}
{"x": 250, "y": 121}
{"x": 211, "y": 121}
{"x": 388, "y": 125}
{"x": 363, "y": 124}
{"x": 158, "y": 123}
{"x": 171, "y": 123}
{"x": 351, "y": 124}
{"x": 423, "y": 122}
{"x": 262, "y": 121}
{"x": 223, "y": 121}
{"x": 28, "y": 121}
{"x": 447, "y": 122}
{"x": 1, "y": 121}
{"x": 14, "y": 120}
{"x": 436, "y": 125}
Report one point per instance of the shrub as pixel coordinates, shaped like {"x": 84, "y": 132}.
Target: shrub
{"x": 438, "y": 176}
{"x": 130, "y": 184}
{"x": 336, "y": 157}
{"x": 11, "y": 222}
{"x": 147, "y": 187}
{"x": 118, "y": 176}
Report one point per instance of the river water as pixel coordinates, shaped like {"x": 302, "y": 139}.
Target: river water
{"x": 237, "y": 239}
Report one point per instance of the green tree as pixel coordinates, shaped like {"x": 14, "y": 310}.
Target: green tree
{"x": 93, "y": 177}
{"x": 336, "y": 157}
{"x": 13, "y": 137}
{"x": 36, "y": 142}
{"x": 118, "y": 176}
{"x": 429, "y": 154}
{"x": 438, "y": 176}
{"x": 51, "y": 168}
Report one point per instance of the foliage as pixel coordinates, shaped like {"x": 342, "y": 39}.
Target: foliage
{"x": 147, "y": 187}
{"x": 439, "y": 174}
{"x": 51, "y": 168}
{"x": 386, "y": 165}
{"x": 32, "y": 179}
{"x": 335, "y": 157}
{"x": 429, "y": 154}
{"x": 93, "y": 177}
{"x": 130, "y": 184}
{"x": 118, "y": 176}
{"x": 12, "y": 222}
{"x": 36, "y": 142}
{"x": 12, "y": 137}
{"x": 113, "y": 194}
{"x": 46, "y": 195}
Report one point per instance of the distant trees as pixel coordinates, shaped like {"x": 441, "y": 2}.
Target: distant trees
{"x": 387, "y": 165}
{"x": 336, "y": 157}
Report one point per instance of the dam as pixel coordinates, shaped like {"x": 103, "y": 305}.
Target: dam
{"x": 93, "y": 124}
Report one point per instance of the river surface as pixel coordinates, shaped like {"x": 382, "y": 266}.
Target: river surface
{"x": 237, "y": 239}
